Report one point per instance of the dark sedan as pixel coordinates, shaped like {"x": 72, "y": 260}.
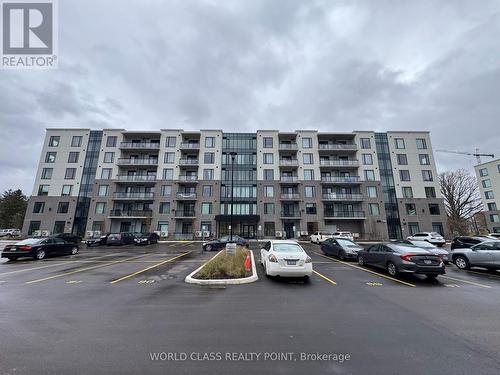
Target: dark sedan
{"x": 123, "y": 238}
{"x": 102, "y": 240}
{"x": 399, "y": 259}
{"x": 223, "y": 241}
{"x": 146, "y": 238}
{"x": 68, "y": 237}
{"x": 467, "y": 241}
{"x": 341, "y": 248}
{"x": 39, "y": 248}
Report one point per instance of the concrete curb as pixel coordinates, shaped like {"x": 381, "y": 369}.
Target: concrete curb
{"x": 244, "y": 280}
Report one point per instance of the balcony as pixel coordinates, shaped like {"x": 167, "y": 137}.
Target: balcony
{"x": 290, "y": 196}
{"x": 185, "y": 196}
{"x": 288, "y": 179}
{"x": 189, "y": 146}
{"x": 342, "y": 197}
{"x": 135, "y": 162}
{"x": 343, "y": 215}
{"x": 288, "y": 162}
{"x": 290, "y": 214}
{"x": 185, "y": 214}
{"x": 340, "y": 179}
{"x": 338, "y": 146}
{"x": 339, "y": 163}
{"x": 288, "y": 146}
{"x": 125, "y": 195}
{"x": 189, "y": 162}
{"x": 139, "y": 146}
{"x": 188, "y": 178}
{"x": 136, "y": 178}
{"x": 131, "y": 214}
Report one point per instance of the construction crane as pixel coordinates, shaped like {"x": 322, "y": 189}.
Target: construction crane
{"x": 477, "y": 154}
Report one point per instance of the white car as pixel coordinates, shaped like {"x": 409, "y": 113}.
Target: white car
{"x": 319, "y": 237}
{"x": 431, "y": 237}
{"x": 285, "y": 258}
{"x": 9, "y": 233}
{"x": 344, "y": 235}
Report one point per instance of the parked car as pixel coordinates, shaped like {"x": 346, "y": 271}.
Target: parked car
{"x": 431, "y": 237}
{"x": 39, "y": 248}
{"x": 285, "y": 258}
{"x": 346, "y": 235}
{"x": 68, "y": 237}
{"x": 146, "y": 238}
{"x": 318, "y": 237}
{"x": 399, "y": 259}
{"x": 123, "y": 238}
{"x": 341, "y": 248}
{"x": 485, "y": 254}
{"x": 445, "y": 255}
{"x": 468, "y": 241}
{"x": 102, "y": 240}
{"x": 494, "y": 235}
{"x": 9, "y": 233}
{"x": 220, "y": 243}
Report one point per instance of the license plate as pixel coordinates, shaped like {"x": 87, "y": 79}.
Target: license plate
{"x": 426, "y": 261}
{"x": 291, "y": 262}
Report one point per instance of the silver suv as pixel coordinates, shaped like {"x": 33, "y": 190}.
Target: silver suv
{"x": 9, "y": 233}
{"x": 486, "y": 254}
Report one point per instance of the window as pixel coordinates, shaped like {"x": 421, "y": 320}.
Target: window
{"x": 309, "y": 191}
{"x": 492, "y": 206}
{"x": 489, "y": 194}
{"x": 164, "y": 208}
{"x": 47, "y": 173}
{"x": 430, "y": 192}
{"x": 66, "y": 190}
{"x": 97, "y": 226}
{"x": 495, "y": 218}
{"x": 207, "y": 190}
{"x": 106, "y": 173}
{"x": 73, "y": 157}
{"x": 54, "y": 141}
{"x": 411, "y": 209}
{"x": 486, "y": 183}
{"x": 404, "y": 175}
{"x": 70, "y": 174}
{"x": 43, "y": 190}
{"x": 311, "y": 209}
{"x": 269, "y": 208}
{"x": 308, "y": 158}
{"x": 407, "y": 192}
{"x": 111, "y": 141}
{"x": 309, "y": 174}
{"x": 165, "y": 190}
{"x": 402, "y": 159}
{"x": 307, "y": 142}
{"x": 170, "y": 142}
{"x": 50, "y": 157}
{"x": 421, "y": 143}
{"x": 438, "y": 227}
{"x": 63, "y": 208}
{"x": 169, "y": 157}
{"x": 413, "y": 228}
{"x": 369, "y": 175}
{"x": 267, "y": 142}
{"x": 399, "y": 143}
{"x": 103, "y": 190}
{"x": 38, "y": 207}
{"x": 269, "y": 191}
{"x": 268, "y": 174}
{"x": 76, "y": 141}
{"x": 208, "y": 174}
{"x": 109, "y": 157}
{"x": 209, "y": 142}
{"x": 206, "y": 208}
{"x": 34, "y": 226}
{"x": 434, "y": 209}
{"x": 365, "y": 143}
{"x": 483, "y": 172}
{"x": 269, "y": 229}
{"x": 424, "y": 159}
{"x": 168, "y": 174}
{"x": 268, "y": 158}
{"x": 374, "y": 209}
{"x": 367, "y": 159}
{"x": 100, "y": 207}
{"x": 427, "y": 175}
{"x": 371, "y": 191}
{"x": 209, "y": 157}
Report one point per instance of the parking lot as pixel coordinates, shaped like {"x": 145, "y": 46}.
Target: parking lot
{"x": 110, "y": 309}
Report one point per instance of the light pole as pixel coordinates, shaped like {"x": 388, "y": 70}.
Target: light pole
{"x": 233, "y": 156}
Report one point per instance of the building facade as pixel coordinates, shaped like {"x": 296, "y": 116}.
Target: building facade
{"x": 488, "y": 177}
{"x": 284, "y": 184}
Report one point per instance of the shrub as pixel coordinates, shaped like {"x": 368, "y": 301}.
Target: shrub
{"x": 225, "y": 266}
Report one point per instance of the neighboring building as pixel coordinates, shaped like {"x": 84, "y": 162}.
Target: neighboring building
{"x": 376, "y": 185}
{"x": 488, "y": 177}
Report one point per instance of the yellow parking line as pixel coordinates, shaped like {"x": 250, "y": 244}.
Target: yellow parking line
{"x": 85, "y": 269}
{"x": 467, "y": 282}
{"x": 148, "y": 268}
{"x": 367, "y": 270}
{"x": 325, "y": 278}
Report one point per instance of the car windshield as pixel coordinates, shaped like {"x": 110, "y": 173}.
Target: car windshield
{"x": 424, "y": 244}
{"x": 30, "y": 241}
{"x": 287, "y": 248}
{"x": 346, "y": 243}
{"x": 142, "y": 235}
{"x": 224, "y": 239}
{"x": 113, "y": 236}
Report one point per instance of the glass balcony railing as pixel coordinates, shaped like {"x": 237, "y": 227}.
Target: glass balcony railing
{"x": 344, "y": 214}
{"x": 139, "y": 145}
{"x": 340, "y": 179}
{"x": 127, "y": 195}
{"x": 185, "y": 195}
{"x": 342, "y": 197}
{"x": 185, "y": 213}
{"x": 339, "y": 163}
{"x": 290, "y": 196}
{"x": 136, "y": 178}
{"x": 133, "y": 161}
{"x": 131, "y": 213}
{"x": 338, "y": 146}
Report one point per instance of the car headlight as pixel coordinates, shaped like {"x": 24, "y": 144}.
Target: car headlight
{"x": 272, "y": 258}
{"x": 308, "y": 259}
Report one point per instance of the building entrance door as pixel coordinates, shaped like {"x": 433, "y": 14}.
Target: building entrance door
{"x": 289, "y": 230}
{"x": 248, "y": 231}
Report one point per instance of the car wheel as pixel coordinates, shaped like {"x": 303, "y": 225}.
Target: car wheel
{"x": 208, "y": 248}
{"x": 391, "y": 269}
{"x": 74, "y": 250}
{"x": 13, "y": 259}
{"x": 361, "y": 261}
{"x": 342, "y": 255}
{"x": 462, "y": 262}
{"x": 40, "y": 254}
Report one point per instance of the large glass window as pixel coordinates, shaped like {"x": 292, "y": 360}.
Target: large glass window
{"x": 208, "y": 174}
{"x": 369, "y": 175}
{"x": 371, "y": 191}
{"x": 209, "y": 142}
{"x": 267, "y": 142}
{"x": 100, "y": 207}
{"x": 169, "y": 157}
{"x": 309, "y": 191}
{"x": 268, "y": 174}
{"x": 404, "y": 175}
{"x": 367, "y": 159}
{"x": 311, "y": 208}
{"x": 268, "y": 158}
{"x": 168, "y": 174}
{"x": 306, "y": 142}
{"x": 430, "y": 192}
{"x": 269, "y": 229}
{"x": 413, "y": 228}
{"x": 50, "y": 157}
{"x": 411, "y": 209}
{"x": 63, "y": 208}
{"x": 103, "y": 190}
{"x": 166, "y": 190}
{"x": 402, "y": 159}
{"x": 427, "y": 175}
{"x": 164, "y": 208}
{"x": 209, "y": 158}
{"x": 207, "y": 190}
{"x": 308, "y": 158}
{"x": 421, "y": 143}
{"x": 486, "y": 183}
{"x": 269, "y": 208}
{"x": 76, "y": 141}
{"x": 269, "y": 191}
{"x": 399, "y": 143}
{"x": 434, "y": 209}
{"x": 206, "y": 208}
{"x": 70, "y": 174}
{"x": 374, "y": 209}
{"x": 407, "y": 192}
{"x": 483, "y": 172}
{"x": 38, "y": 207}
{"x": 54, "y": 141}
{"x": 365, "y": 143}
{"x": 424, "y": 159}
{"x": 111, "y": 141}
{"x": 73, "y": 157}
{"x": 47, "y": 173}
{"x": 308, "y": 174}
{"x": 109, "y": 157}
{"x": 170, "y": 142}
{"x": 489, "y": 195}
{"x": 66, "y": 190}
{"x": 106, "y": 173}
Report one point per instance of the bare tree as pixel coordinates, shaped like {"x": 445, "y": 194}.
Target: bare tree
{"x": 461, "y": 197}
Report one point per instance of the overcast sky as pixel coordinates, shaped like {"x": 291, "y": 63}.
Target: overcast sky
{"x": 254, "y": 64}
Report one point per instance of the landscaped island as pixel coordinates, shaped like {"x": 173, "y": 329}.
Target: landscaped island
{"x": 225, "y": 266}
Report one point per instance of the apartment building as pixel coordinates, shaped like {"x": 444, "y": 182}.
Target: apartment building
{"x": 488, "y": 177}
{"x": 283, "y": 184}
